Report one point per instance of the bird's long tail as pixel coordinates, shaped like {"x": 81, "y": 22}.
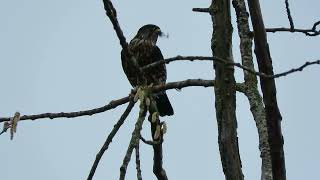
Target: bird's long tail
{"x": 163, "y": 104}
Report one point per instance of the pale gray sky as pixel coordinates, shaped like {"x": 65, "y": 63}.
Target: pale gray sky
{"x": 64, "y": 56}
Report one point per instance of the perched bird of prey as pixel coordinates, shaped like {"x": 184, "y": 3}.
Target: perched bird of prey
{"x": 144, "y": 50}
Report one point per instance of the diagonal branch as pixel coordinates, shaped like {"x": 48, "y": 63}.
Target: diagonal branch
{"x": 297, "y": 69}
{"x": 239, "y": 65}
{"x": 138, "y": 167}
{"x": 274, "y": 76}
{"x": 112, "y": 14}
{"x": 113, "y": 104}
{"x": 134, "y": 139}
{"x": 6, "y": 126}
{"x": 289, "y": 14}
{"x": 109, "y": 139}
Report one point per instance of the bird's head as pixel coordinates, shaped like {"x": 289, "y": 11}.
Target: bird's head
{"x": 149, "y": 32}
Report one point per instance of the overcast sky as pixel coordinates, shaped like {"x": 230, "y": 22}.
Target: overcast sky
{"x": 64, "y": 56}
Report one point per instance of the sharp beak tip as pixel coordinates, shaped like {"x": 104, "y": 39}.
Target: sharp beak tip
{"x": 159, "y": 32}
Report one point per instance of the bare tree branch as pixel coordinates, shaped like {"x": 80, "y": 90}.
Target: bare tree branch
{"x": 134, "y": 139}
{"x": 204, "y": 10}
{"x": 268, "y": 88}
{"x": 173, "y": 85}
{"x": 5, "y": 128}
{"x": 308, "y": 32}
{"x": 297, "y": 69}
{"x": 183, "y": 84}
{"x": 158, "y": 169}
{"x": 109, "y": 139}
{"x": 113, "y": 104}
{"x": 270, "y": 76}
{"x": 112, "y": 14}
{"x": 139, "y": 176}
{"x": 289, "y": 14}
{"x": 192, "y": 82}
{"x": 225, "y": 90}
{"x": 152, "y": 143}
{"x": 252, "y": 92}
{"x": 182, "y": 58}
{"x": 239, "y": 65}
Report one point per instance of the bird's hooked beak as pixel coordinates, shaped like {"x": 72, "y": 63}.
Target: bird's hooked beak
{"x": 159, "y": 32}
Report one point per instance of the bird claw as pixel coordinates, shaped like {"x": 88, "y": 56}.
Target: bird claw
{"x": 137, "y": 95}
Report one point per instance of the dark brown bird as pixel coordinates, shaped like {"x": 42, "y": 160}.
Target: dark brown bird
{"x": 144, "y": 50}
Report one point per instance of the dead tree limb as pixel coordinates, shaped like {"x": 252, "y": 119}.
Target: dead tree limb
{"x": 225, "y": 62}
{"x": 157, "y": 136}
{"x": 138, "y": 166}
{"x": 225, "y": 90}
{"x": 252, "y": 92}
{"x": 134, "y": 139}
{"x": 113, "y": 104}
{"x": 289, "y": 14}
{"x": 109, "y": 139}
{"x": 268, "y": 88}
{"x": 112, "y": 14}
{"x": 308, "y": 32}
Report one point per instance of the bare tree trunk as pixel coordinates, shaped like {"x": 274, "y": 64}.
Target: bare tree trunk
{"x": 252, "y": 93}
{"x": 225, "y": 91}
{"x": 269, "y": 92}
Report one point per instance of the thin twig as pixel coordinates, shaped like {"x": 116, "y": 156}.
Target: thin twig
{"x": 264, "y": 75}
{"x": 308, "y": 32}
{"x": 139, "y": 176}
{"x": 181, "y": 58}
{"x": 203, "y": 10}
{"x": 149, "y": 142}
{"x": 4, "y": 130}
{"x": 113, "y": 104}
{"x": 109, "y": 139}
{"x": 220, "y": 60}
{"x": 289, "y": 15}
{"x": 297, "y": 69}
{"x": 182, "y": 84}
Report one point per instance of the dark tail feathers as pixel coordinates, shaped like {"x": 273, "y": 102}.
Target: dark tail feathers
{"x": 163, "y": 104}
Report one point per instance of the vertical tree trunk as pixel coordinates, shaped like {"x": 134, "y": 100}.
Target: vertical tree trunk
{"x": 225, "y": 92}
{"x": 252, "y": 93}
{"x": 268, "y": 88}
